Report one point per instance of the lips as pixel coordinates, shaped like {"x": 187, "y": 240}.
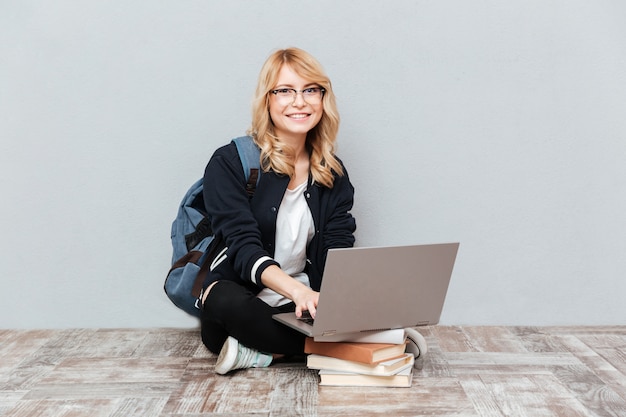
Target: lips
{"x": 298, "y": 116}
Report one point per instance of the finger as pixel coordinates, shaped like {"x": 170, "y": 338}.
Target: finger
{"x": 298, "y": 311}
{"x": 312, "y": 309}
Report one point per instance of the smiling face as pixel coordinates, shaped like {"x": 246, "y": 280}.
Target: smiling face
{"x": 293, "y": 118}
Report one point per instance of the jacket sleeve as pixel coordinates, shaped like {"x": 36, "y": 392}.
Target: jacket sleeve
{"x": 228, "y": 206}
{"x": 340, "y": 225}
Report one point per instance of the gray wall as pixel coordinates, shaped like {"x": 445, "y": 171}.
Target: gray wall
{"x": 497, "y": 124}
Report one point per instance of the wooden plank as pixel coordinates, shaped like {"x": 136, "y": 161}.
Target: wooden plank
{"x": 15, "y": 347}
{"x": 481, "y": 396}
{"x": 499, "y": 362}
{"x": 108, "y": 370}
{"x": 524, "y": 395}
{"x": 590, "y": 390}
{"x": 585, "y": 330}
{"x": 22, "y": 342}
{"x": 294, "y": 392}
{"x": 9, "y": 399}
{"x": 139, "y": 407}
{"x": 191, "y": 395}
{"x": 493, "y": 339}
{"x": 428, "y": 396}
{"x": 452, "y": 339}
{"x": 168, "y": 342}
{"x": 63, "y": 408}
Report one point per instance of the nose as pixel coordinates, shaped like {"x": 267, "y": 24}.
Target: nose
{"x": 298, "y": 100}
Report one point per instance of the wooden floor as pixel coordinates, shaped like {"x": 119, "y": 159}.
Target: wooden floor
{"x": 469, "y": 371}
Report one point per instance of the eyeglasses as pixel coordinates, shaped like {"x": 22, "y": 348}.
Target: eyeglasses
{"x": 311, "y": 95}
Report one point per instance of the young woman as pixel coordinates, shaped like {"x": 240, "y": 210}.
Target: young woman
{"x": 274, "y": 245}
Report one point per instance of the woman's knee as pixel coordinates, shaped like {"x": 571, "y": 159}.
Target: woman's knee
{"x": 206, "y": 292}
{"x": 222, "y": 306}
{"x": 226, "y": 298}
{"x": 213, "y": 338}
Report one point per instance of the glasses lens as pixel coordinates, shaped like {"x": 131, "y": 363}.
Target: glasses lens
{"x": 311, "y": 95}
{"x": 284, "y": 93}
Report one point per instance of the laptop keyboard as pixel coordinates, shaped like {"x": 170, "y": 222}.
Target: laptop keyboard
{"x": 306, "y": 318}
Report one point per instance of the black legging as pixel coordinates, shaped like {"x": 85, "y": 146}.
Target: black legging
{"x": 233, "y": 310}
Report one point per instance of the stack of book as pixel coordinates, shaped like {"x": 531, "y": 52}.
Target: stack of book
{"x": 360, "y": 364}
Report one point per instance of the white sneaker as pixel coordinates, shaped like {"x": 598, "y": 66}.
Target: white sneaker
{"x": 234, "y": 355}
{"x": 416, "y": 344}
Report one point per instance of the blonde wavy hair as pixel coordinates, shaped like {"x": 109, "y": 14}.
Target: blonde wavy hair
{"x": 320, "y": 140}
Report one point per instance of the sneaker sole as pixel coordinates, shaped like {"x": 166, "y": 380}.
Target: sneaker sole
{"x": 416, "y": 338}
{"x": 227, "y": 356}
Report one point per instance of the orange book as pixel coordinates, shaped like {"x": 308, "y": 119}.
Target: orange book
{"x": 357, "y": 352}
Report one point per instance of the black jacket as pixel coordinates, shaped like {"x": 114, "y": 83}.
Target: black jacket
{"x": 247, "y": 228}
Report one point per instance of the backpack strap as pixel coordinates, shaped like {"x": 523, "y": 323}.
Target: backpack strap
{"x": 250, "y": 155}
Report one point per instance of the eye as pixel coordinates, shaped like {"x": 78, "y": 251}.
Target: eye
{"x": 282, "y": 91}
{"x": 311, "y": 90}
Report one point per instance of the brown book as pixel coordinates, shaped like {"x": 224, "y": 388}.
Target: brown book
{"x": 357, "y": 352}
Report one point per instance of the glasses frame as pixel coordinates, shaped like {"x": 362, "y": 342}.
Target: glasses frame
{"x": 294, "y": 93}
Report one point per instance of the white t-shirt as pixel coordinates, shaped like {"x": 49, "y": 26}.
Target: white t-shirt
{"x": 294, "y": 231}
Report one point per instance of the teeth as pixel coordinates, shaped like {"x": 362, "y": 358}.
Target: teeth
{"x": 298, "y": 116}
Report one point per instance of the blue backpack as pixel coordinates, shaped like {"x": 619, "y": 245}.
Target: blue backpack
{"x": 192, "y": 235}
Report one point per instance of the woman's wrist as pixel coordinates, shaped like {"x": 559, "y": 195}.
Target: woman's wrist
{"x": 277, "y": 280}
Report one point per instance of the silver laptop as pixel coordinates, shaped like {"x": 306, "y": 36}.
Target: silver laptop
{"x": 380, "y": 288}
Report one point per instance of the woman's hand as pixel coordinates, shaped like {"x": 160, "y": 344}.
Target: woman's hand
{"x": 303, "y": 297}
{"x": 306, "y": 300}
